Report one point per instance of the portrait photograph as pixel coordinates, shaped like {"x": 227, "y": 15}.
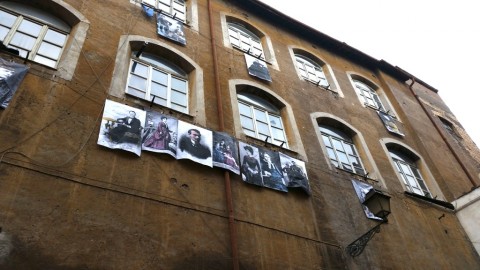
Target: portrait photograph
{"x": 250, "y": 169}
{"x": 294, "y": 173}
{"x": 170, "y": 28}
{"x": 361, "y": 189}
{"x": 11, "y": 76}
{"x": 121, "y": 127}
{"x": 257, "y": 67}
{"x": 271, "y": 170}
{"x": 160, "y": 134}
{"x": 390, "y": 123}
{"x": 225, "y": 152}
{"x": 194, "y": 143}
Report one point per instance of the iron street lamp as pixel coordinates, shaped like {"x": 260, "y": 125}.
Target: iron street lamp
{"x": 379, "y": 204}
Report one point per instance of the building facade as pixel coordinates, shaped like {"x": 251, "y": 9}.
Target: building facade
{"x": 237, "y": 67}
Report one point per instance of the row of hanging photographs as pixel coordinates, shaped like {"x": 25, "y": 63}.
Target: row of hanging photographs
{"x": 134, "y": 130}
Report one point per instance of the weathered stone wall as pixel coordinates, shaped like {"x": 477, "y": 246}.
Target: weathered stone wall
{"x": 67, "y": 203}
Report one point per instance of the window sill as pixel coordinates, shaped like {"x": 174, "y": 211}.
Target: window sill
{"x": 268, "y": 145}
{"x": 362, "y": 177}
{"x": 430, "y": 200}
{"x": 142, "y": 104}
{"x": 255, "y": 56}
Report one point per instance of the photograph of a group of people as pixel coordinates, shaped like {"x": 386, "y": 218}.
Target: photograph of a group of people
{"x": 390, "y": 123}
{"x": 131, "y": 129}
{"x": 170, "y": 28}
{"x": 263, "y": 167}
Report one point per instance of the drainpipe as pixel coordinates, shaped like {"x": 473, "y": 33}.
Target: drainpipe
{"x": 221, "y": 122}
{"x": 470, "y": 177}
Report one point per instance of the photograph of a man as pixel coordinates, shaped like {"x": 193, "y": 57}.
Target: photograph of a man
{"x": 294, "y": 173}
{"x": 271, "y": 170}
{"x": 195, "y": 143}
{"x": 121, "y": 127}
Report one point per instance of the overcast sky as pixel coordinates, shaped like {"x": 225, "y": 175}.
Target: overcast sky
{"x": 436, "y": 41}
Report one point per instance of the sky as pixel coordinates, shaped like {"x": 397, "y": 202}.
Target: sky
{"x": 436, "y": 41}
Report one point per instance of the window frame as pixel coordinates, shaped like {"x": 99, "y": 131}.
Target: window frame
{"x": 332, "y": 134}
{"x": 303, "y": 61}
{"x": 46, "y": 26}
{"x": 363, "y": 89}
{"x": 414, "y": 173}
{"x": 240, "y": 30}
{"x": 269, "y": 111}
{"x": 169, "y": 8}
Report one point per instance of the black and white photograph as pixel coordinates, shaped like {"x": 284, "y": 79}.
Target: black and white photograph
{"x": 121, "y": 127}
{"x": 272, "y": 170}
{"x": 250, "y": 169}
{"x": 160, "y": 133}
{"x": 362, "y": 189}
{"x": 11, "y": 75}
{"x": 194, "y": 143}
{"x": 170, "y": 28}
{"x": 390, "y": 123}
{"x": 294, "y": 173}
{"x": 257, "y": 67}
{"x": 225, "y": 152}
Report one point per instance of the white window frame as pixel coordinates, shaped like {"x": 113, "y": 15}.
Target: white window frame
{"x": 176, "y": 8}
{"x": 304, "y": 64}
{"x": 244, "y": 36}
{"x": 411, "y": 175}
{"x": 269, "y": 113}
{"x": 368, "y": 95}
{"x": 148, "y": 79}
{"x": 34, "y": 54}
{"x": 331, "y": 135}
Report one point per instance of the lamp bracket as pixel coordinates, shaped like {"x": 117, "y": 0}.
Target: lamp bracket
{"x": 356, "y": 247}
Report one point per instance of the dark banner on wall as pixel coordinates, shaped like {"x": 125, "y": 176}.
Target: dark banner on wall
{"x": 390, "y": 123}
{"x": 362, "y": 189}
{"x": 250, "y": 169}
{"x": 257, "y": 68}
{"x": 294, "y": 173}
{"x": 11, "y": 75}
{"x": 170, "y": 28}
{"x": 121, "y": 127}
{"x": 271, "y": 170}
{"x": 194, "y": 143}
{"x": 160, "y": 134}
{"x": 225, "y": 152}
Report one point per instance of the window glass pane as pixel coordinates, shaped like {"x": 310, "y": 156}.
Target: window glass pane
{"x": 136, "y": 92}
{"x": 179, "y": 98}
{"x": 179, "y": 108}
{"x": 338, "y": 145}
{"x": 249, "y": 132}
{"x": 3, "y": 32}
{"x": 260, "y": 115}
{"x": 30, "y": 28}
{"x": 55, "y": 37}
{"x": 347, "y": 167}
{"x": 159, "y": 101}
{"x": 179, "y": 85}
{"x": 158, "y": 76}
{"x": 278, "y": 134}
{"x": 263, "y": 128}
{"x": 7, "y": 19}
{"x": 45, "y": 61}
{"x": 246, "y": 122}
{"x": 244, "y": 109}
{"x": 159, "y": 90}
{"x": 137, "y": 82}
{"x": 335, "y": 163}
{"x": 140, "y": 69}
{"x": 331, "y": 154}
{"x": 23, "y": 41}
{"x": 342, "y": 158}
{"x": 275, "y": 121}
{"x": 49, "y": 50}
{"x": 149, "y": 2}
{"x": 326, "y": 141}
{"x": 411, "y": 181}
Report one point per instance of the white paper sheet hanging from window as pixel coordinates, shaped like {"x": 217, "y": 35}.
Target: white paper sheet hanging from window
{"x": 258, "y": 68}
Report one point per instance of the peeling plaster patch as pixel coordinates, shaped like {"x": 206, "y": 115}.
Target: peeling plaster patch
{"x": 5, "y": 245}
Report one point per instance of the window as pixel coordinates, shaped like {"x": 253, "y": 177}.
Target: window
{"x": 368, "y": 95}
{"x": 176, "y": 8}
{"x": 243, "y": 39}
{"x": 340, "y": 150}
{"x": 158, "y": 80}
{"x": 447, "y": 125}
{"x": 261, "y": 119}
{"x": 311, "y": 71}
{"x": 405, "y": 164}
{"x": 33, "y": 32}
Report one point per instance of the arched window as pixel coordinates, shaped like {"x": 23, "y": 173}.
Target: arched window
{"x": 261, "y": 119}
{"x": 406, "y": 166}
{"x": 311, "y": 71}
{"x": 368, "y": 95}
{"x": 175, "y": 8}
{"x": 35, "y": 33}
{"x": 245, "y": 40}
{"x": 341, "y": 149}
{"x": 158, "y": 80}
